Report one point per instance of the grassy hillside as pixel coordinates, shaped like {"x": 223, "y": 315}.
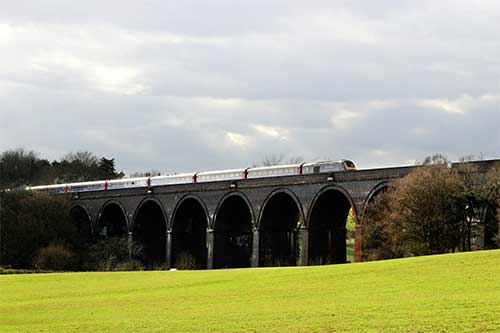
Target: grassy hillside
{"x": 447, "y": 293}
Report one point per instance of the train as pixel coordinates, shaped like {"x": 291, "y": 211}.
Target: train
{"x": 199, "y": 177}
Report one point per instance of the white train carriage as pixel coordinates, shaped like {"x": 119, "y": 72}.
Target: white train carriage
{"x": 273, "y": 171}
{"x": 182, "y": 178}
{"x": 50, "y": 189}
{"x": 212, "y": 176}
{"x": 127, "y": 183}
{"x": 86, "y": 186}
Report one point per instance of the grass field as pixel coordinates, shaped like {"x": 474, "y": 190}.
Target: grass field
{"x": 446, "y": 293}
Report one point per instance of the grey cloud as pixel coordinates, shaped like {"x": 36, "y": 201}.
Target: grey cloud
{"x": 180, "y": 86}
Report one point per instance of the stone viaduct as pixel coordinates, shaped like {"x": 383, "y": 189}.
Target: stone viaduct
{"x": 292, "y": 220}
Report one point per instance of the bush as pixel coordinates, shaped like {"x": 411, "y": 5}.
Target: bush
{"x": 31, "y": 221}
{"x": 114, "y": 254}
{"x": 57, "y": 257}
{"x": 129, "y": 265}
{"x": 186, "y": 261}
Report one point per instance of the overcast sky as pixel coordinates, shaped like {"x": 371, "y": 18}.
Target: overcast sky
{"x": 203, "y": 85}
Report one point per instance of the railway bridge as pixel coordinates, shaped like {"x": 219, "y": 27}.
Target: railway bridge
{"x": 292, "y": 220}
{"x": 276, "y": 221}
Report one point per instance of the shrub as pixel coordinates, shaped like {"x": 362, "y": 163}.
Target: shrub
{"x": 129, "y": 265}
{"x": 111, "y": 254}
{"x": 56, "y": 257}
{"x": 31, "y": 221}
{"x": 186, "y": 261}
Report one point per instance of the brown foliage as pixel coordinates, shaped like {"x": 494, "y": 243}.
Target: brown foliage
{"x": 57, "y": 257}
{"x": 434, "y": 209}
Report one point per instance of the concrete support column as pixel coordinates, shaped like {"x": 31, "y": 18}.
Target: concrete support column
{"x": 304, "y": 246}
{"x": 168, "y": 249}
{"x": 255, "y": 248}
{"x": 130, "y": 240}
{"x": 210, "y": 250}
{"x": 358, "y": 251}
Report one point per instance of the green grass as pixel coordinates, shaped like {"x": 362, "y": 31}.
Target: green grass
{"x": 446, "y": 293}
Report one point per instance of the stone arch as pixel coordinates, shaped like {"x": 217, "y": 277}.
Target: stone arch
{"x": 83, "y": 221}
{"x": 379, "y": 188}
{"x": 188, "y": 226}
{"x": 112, "y": 221}
{"x": 330, "y": 241}
{"x": 181, "y": 201}
{"x": 150, "y": 225}
{"x": 285, "y": 191}
{"x": 160, "y": 205}
{"x": 280, "y": 217}
{"x": 233, "y": 226}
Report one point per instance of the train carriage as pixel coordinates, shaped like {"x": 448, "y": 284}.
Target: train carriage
{"x": 273, "y": 171}
{"x": 86, "y": 186}
{"x": 210, "y": 176}
{"x": 127, "y": 183}
{"x": 182, "y": 178}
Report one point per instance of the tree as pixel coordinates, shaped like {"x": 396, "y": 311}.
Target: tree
{"x": 436, "y": 159}
{"x": 434, "y": 209}
{"x": 107, "y": 167}
{"x": 84, "y": 158}
{"x": 279, "y": 159}
{"x": 379, "y": 239}
{"x": 32, "y": 221}
{"x": 18, "y": 167}
{"x": 84, "y": 166}
{"x": 145, "y": 174}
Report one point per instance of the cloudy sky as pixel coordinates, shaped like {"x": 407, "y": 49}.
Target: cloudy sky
{"x": 201, "y": 85}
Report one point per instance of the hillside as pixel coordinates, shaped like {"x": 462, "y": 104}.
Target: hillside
{"x": 445, "y": 293}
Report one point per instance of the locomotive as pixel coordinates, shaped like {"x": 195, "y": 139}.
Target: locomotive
{"x": 200, "y": 177}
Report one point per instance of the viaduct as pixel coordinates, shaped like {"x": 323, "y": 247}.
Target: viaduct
{"x": 278, "y": 221}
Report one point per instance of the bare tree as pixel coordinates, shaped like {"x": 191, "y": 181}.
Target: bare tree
{"x": 279, "y": 159}
{"x": 18, "y": 167}
{"x": 145, "y": 174}
{"x": 436, "y": 159}
{"x": 85, "y": 158}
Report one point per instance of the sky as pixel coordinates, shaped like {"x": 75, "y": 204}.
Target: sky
{"x": 180, "y": 86}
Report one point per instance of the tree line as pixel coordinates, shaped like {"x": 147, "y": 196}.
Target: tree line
{"x": 20, "y": 168}
{"x": 36, "y": 229}
{"x": 437, "y": 208}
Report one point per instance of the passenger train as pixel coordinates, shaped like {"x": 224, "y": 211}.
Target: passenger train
{"x": 200, "y": 177}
